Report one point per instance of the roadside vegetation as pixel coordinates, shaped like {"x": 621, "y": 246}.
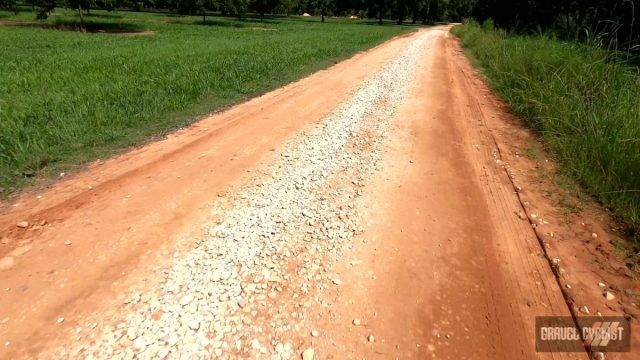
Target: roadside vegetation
{"x": 123, "y": 71}
{"x": 582, "y": 99}
{"x": 68, "y": 97}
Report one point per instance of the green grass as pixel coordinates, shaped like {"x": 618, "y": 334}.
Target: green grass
{"x": 583, "y": 103}
{"x": 68, "y": 97}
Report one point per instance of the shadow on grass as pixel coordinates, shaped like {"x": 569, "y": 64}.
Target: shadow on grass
{"x": 97, "y": 26}
{"x": 236, "y": 23}
{"x": 89, "y": 26}
{"x": 104, "y": 16}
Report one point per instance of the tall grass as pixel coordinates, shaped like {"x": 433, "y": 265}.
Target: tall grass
{"x": 582, "y": 102}
{"x": 68, "y": 97}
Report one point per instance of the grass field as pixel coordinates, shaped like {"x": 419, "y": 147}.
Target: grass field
{"x": 68, "y": 97}
{"x": 583, "y": 102}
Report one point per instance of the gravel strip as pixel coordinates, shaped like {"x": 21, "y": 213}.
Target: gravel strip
{"x": 234, "y": 293}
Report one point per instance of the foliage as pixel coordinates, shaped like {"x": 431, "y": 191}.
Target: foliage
{"x": 424, "y": 11}
{"x": 609, "y": 23}
{"x": 584, "y": 105}
{"x": 10, "y": 5}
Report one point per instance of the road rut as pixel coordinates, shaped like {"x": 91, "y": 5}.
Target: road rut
{"x": 362, "y": 212}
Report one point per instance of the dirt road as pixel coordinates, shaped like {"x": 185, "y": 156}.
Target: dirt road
{"x": 362, "y": 212}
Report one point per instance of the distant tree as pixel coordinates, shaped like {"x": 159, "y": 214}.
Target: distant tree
{"x": 108, "y": 5}
{"x": 287, "y": 7}
{"x": 323, "y": 6}
{"x": 204, "y": 6}
{"x": 401, "y": 7}
{"x": 612, "y": 23}
{"x": 10, "y": 5}
{"x": 264, "y": 6}
{"x": 457, "y": 10}
{"x": 44, "y": 8}
{"x": 377, "y": 9}
{"x": 79, "y": 5}
{"x": 234, "y": 7}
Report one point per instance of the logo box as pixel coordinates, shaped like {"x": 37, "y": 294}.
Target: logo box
{"x": 595, "y": 333}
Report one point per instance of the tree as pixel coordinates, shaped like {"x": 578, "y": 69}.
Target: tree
{"x": 377, "y": 9}
{"x": 264, "y": 6}
{"x": 10, "y": 5}
{"x": 44, "y": 8}
{"x": 234, "y": 7}
{"x": 79, "y": 4}
{"x": 204, "y": 5}
{"x": 611, "y": 23}
{"x": 322, "y": 6}
{"x": 400, "y": 8}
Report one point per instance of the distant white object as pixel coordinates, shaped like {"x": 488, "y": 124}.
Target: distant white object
{"x": 352, "y": 17}
{"x": 306, "y": 14}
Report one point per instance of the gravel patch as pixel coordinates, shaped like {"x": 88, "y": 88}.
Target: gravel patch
{"x": 235, "y": 293}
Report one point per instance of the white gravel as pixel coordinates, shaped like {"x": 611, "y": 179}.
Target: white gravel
{"x": 233, "y": 295}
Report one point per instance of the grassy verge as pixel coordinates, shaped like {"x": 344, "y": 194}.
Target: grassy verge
{"x": 68, "y": 97}
{"x": 582, "y": 102}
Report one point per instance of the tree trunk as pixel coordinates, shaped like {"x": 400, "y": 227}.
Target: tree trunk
{"x": 426, "y": 13}
{"x": 81, "y": 18}
{"x": 414, "y": 12}
{"x": 261, "y": 15}
{"x": 400, "y": 12}
{"x": 322, "y": 14}
{"x": 380, "y": 16}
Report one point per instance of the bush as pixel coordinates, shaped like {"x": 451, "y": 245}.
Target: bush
{"x": 583, "y": 103}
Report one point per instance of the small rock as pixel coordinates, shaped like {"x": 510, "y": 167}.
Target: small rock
{"x": 255, "y": 344}
{"x": 194, "y": 325}
{"x": 602, "y": 285}
{"x": 139, "y": 343}
{"x": 308, "y": 354}
{"x": 370, "y": 338}
{"x": 337, "y": 281}
{"x": 315, "y": 333}
{"x": 185, "y": 300}
{"x": 242, "y": 302}
{"x": 356, "y": 322}
{"x": 609, "y": 295}
{"x": 163, "y": 353}
{"x": 60, "y": 320}
{"x": 584, "y": 309}
{"x": 7, "y": 263}
{"x": 598, "y": 355}
{"x": 594, "y": 235}
{"x": 4, "y": 241}
{"x": 67, "y": 242}
{"x": 23, "y": 224}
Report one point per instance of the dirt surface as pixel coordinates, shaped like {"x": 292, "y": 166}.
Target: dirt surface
{"x": 382, "y": 208}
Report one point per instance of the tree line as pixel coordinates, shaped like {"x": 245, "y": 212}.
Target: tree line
{"x": 401, "y": 11}
{"x": 612, "y": 23}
